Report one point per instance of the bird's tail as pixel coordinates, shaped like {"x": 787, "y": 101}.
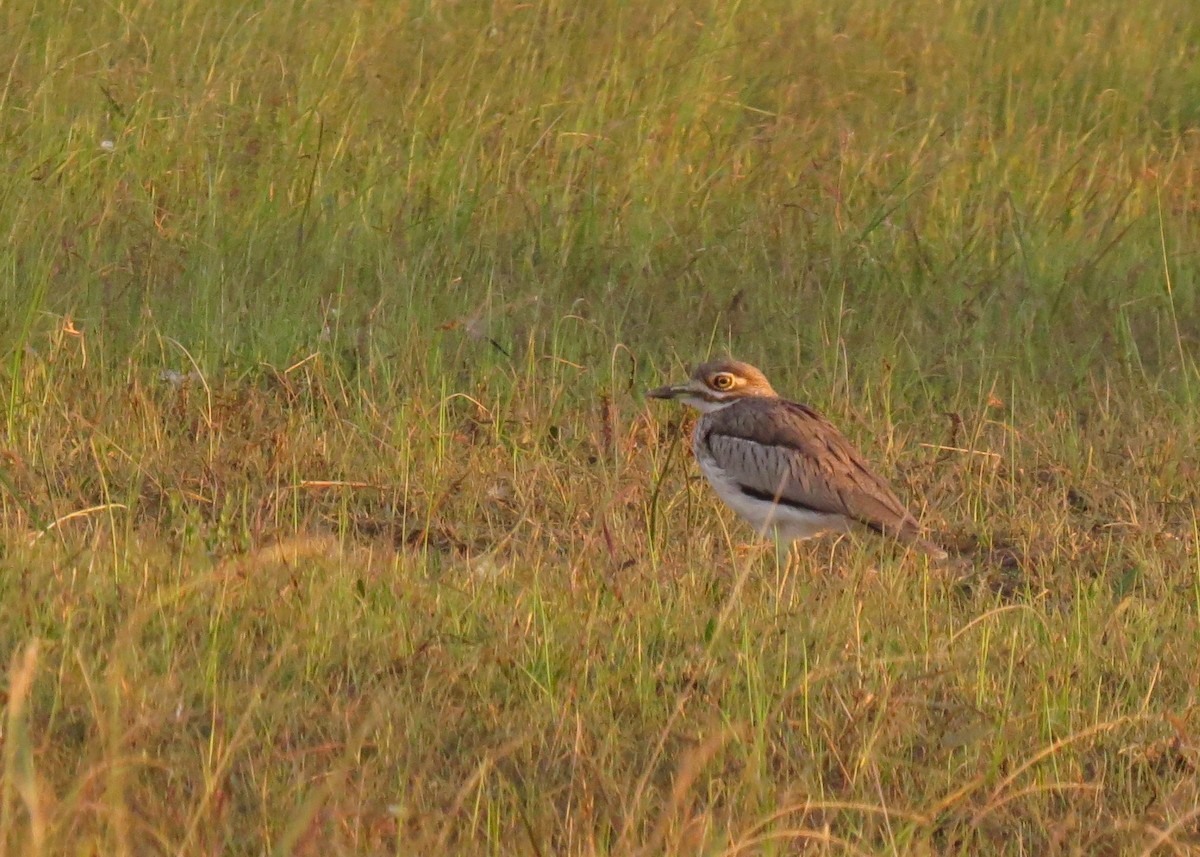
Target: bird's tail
{"x": 930, "y": 549}
{"x": 910, "y": 533}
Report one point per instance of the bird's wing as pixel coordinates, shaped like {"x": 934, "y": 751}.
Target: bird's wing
{"x": 788, "y": 453}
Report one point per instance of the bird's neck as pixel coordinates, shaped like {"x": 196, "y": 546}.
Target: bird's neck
{"x": 705, "y": 406}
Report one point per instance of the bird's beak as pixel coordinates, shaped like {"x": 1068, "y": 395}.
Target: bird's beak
{"x": 670, "y": 391}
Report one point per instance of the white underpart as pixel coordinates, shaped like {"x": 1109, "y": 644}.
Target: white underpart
{"x": 785, "y": 523}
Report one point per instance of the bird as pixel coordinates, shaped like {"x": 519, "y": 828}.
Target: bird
{"x": 781, "y": 465}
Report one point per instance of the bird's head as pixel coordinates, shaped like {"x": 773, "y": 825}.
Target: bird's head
{"x": 716, "y": 384}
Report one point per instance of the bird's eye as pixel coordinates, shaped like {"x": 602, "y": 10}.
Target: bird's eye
{"x": 722, "y": 381}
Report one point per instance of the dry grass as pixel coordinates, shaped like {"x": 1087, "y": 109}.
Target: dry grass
{"x": 334, "y": 520}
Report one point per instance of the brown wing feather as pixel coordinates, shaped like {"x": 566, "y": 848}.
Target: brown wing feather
{"x": 821, "y": 470}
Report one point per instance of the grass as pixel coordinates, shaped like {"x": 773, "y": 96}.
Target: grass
{"x": 334, "y": 520}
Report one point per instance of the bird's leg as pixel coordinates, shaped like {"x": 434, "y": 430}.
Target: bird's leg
{"x": 783, "y": 549}
{"x": 783, "y": 562}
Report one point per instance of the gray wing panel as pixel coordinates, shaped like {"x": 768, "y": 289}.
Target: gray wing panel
{"x": 790, "y": 452}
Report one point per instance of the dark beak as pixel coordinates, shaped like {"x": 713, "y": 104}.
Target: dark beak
{"x": 668, "y": 392}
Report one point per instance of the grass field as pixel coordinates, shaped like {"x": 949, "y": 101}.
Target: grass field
{"x": 334, "y": 520}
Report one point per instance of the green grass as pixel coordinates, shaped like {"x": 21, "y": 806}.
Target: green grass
{"x": 334, "y": 519}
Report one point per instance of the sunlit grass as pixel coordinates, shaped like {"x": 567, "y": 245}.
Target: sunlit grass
{"x": 334, "y": 519}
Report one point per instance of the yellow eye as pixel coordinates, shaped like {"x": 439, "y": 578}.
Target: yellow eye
{"x": 722, "y": 381}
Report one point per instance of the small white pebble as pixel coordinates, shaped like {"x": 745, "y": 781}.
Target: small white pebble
{"x": 178, "y": 379}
